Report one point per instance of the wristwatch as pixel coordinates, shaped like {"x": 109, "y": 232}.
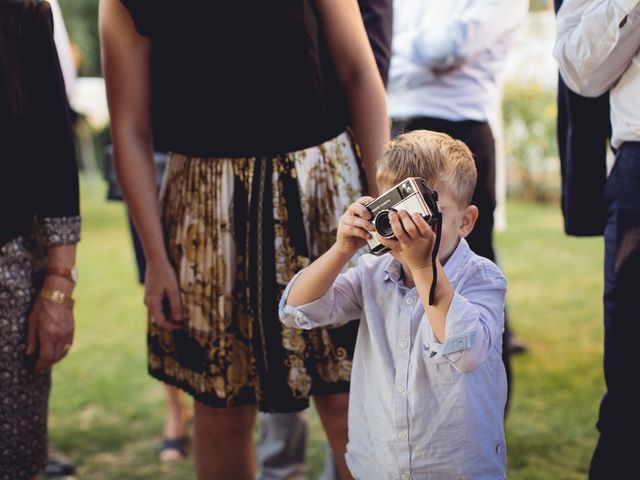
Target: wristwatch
{"x": 70, "y": 274}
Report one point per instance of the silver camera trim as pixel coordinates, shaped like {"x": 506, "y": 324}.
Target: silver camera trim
{"x": 415, "y": 201}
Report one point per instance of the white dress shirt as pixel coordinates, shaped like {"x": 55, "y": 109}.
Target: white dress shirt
{"x": 447, "y": 54}
{"x": 63, "y": 47}
{"x": 420, "y": 409}
{"x": 598, "y": 49}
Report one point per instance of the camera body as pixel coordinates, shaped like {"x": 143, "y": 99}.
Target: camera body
{"x": 413, "y": 195}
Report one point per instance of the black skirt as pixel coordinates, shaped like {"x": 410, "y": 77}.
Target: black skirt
{"x": 237, "y": 230}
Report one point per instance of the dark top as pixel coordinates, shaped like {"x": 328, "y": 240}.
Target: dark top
{"x": 377, "y": 16}
{"x": 239, "y": 78}
{"x": 39, "y": 176}
{"x": 583, "y": 129}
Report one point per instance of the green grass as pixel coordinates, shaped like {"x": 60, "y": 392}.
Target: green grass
{"x": 106, "y": 412}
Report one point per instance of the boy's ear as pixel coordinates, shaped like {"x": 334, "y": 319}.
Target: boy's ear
{"x": 469, "y": 218}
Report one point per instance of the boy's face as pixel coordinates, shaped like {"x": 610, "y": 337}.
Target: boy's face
{"x": 457, "y": 222}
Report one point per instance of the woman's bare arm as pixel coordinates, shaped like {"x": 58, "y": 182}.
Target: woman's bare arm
{"x": 126, "y": 67}
{"x": 357, "y": 71}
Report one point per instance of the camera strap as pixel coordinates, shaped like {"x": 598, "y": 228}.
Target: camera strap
{"x": 434, "y": 256}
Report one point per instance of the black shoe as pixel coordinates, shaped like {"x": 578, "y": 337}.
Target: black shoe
{"x": 515, "y": 346}
{"x": 58, "y": 466}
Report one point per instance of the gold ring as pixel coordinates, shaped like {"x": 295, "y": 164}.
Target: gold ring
{"x": 66, "y": 348}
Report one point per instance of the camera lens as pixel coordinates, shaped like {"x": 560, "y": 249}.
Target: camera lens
{"x": 382, "y": 224}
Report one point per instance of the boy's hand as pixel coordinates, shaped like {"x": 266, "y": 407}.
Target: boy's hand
{"x": 354, "y": 227}
{"x": 415, "y": 239}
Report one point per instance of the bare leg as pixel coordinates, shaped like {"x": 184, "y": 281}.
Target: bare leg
{"x": 332, "y": 410}
{"x": 175, "y": 421}
{"x": 224, "y": 442}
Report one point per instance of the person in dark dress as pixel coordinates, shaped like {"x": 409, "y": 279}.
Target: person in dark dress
{"x": 39, "y": 228}
{"x": 253, "y": 102}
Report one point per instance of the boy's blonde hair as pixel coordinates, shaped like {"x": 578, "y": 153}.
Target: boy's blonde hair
{"x": 443, "y": 162}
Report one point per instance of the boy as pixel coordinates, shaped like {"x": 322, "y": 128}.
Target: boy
{"x": 428, "y": 384}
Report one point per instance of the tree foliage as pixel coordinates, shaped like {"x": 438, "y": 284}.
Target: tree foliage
{"x": 81, "y": 20}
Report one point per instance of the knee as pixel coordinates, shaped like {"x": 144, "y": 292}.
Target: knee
{"x": 224, "y": 419}
{"x": 333, "y": 409}
{"x": 335, "y": 403}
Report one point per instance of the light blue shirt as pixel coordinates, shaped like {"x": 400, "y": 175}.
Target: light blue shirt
{"x": 446, "y": 56}
{"x": 418, "y": 408}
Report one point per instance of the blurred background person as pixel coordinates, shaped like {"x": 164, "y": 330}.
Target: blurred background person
{"x": 68, "y": 58}
{"x": 445, "y": 65}
{"x": 583, "y": 135}
{"x": 39, "y": 228}
{"x": 598, "y": 50}
{"x": 260, "y": 170}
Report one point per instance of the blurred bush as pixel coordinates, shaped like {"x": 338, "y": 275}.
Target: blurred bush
{"x": 537, "y": 5}
{"x": 81, "y": 20}
{"x": 531, "y": 150}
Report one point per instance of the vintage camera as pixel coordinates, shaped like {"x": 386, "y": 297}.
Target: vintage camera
{"x": 412, "y": 195}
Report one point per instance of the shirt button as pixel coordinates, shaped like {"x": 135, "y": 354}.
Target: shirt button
{"x": 299, "y": 314}
{"x": 400, "y": 388}
{"x": 402, "y": 435}
{"x": 404, "y": 344}
{"x": 409, "y": 301}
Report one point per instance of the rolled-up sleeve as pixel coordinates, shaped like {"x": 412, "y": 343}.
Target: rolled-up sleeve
{"x": 595, "y": 42}
{"x": 342, "y": 303}
{"x": 474, "y": 323}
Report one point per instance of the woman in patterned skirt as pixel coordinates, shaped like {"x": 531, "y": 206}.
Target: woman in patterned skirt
{"x": 39, "y": 227}
{"x": 253, "y": 100}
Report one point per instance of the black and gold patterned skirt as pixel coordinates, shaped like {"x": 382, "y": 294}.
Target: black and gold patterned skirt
{"x": 237, "y": 230}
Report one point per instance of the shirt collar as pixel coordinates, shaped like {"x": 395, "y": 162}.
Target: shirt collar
{"x": 393, "y": 269}
{"x": 456, "y": 260}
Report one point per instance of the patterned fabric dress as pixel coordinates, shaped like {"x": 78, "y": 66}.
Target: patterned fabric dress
{"x": 24, "y": 394}
{"x": 237, "y": 230}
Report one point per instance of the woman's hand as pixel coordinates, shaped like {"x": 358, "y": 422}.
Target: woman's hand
{"x": 415, "y": 239}
{"x": 354, "y": 227}
{"x": 162, "y": 295}
{"x": 50, "y": 327}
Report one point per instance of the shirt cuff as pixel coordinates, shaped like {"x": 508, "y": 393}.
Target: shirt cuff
{"x": 627, "y": 5}
{"x": 302, "y": 316}
{"x": 455, "y": 342}
{"x": 294, "y": 317}
{"x": 52, "y": 231}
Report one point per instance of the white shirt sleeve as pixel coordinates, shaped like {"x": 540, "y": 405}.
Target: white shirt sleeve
{"x": 595, "y": 42}
{"x": 451, "y": 41}
{"x": 63, "y": 47}
{"x": 339, "y": 305}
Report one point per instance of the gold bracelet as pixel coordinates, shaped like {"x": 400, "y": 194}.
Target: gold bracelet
{"x": 57, "y": 296}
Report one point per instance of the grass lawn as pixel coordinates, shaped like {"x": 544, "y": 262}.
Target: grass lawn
{"x": 106, "y": 412}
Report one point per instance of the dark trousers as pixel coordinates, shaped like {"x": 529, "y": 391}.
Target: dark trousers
{"x": 619, "y": 422}
{"x": 479, "y": 139}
